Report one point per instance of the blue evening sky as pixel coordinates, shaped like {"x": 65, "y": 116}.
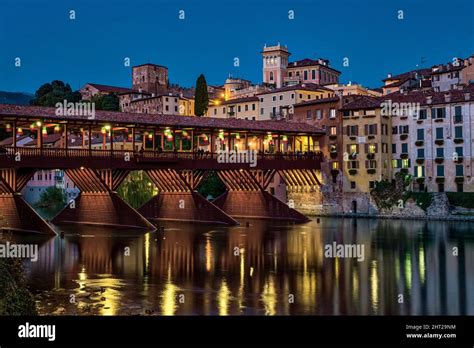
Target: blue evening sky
{"x": 92, "y": 47}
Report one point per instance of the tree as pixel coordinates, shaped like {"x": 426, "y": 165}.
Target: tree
{"x": 212, "y": 185}
{"x": 136, "y": 189}
{"x": 201, "y": 101}
{"x": 15, "y": 299}
{"x": 108, "y": 102}
{"x": 51, "y": 201}
{"x": 55, "y": 92}
{"x": 387, "y": 194}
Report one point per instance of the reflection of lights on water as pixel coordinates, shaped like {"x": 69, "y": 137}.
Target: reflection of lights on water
{"x": 168, "y": 305}
{"x": 355, "y": 284}
{"x": 421, "y": 264}
{"x": 208, "y": 254}
{"x": 408, "y": 270}
{"x": 147, "y": 253}
{"x": 224, "y": 298}
{"x": 269, "y": 297}
{"x": 374, "y": 285}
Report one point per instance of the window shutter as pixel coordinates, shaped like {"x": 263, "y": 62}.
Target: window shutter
{"x": 356, "y": 130}
{"x": 375, "y": 129}
{"x": 366, "y": 148}
{"x": 376, "y": 148}
{"x": 366, "y": 164}
{"x": 366, "y": 129}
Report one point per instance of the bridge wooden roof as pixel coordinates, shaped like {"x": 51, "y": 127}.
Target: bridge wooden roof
{"x": 156, "y": 120}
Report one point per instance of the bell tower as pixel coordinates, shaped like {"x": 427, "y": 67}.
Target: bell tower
{"x": 275, "y": 63}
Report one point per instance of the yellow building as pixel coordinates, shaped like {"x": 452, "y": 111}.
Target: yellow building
{"x": 367, "y": 150}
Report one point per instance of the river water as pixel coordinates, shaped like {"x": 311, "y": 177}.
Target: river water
{"x": 263, "y": 268}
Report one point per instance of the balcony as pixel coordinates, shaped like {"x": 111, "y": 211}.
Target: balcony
{"x": 370, "y": 156}
{"x": 333, "y": 154}
{"x": 276, "y": 116}
{"x": 420, "y": 180}
{"x": 439, "y": 160}
{"x": 404, "y": 155}
{"x": 371, "y": 171}
{"x": 439, "y": 141}
{"x": 420, "y": 160}
{"x": 403, "y": 136}
{"x": 352, "y": 171}
{"x": 457, "y": 118}
{"x": 459, "y": 179}
{"x": 419, "y": 143}
{"x": 458, "y": 140}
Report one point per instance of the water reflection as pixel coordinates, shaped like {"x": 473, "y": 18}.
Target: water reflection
{"x": 267, "y": 268}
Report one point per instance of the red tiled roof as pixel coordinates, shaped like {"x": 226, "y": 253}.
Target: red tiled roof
{"x": 317, "y": 101}
{"x": 150, "y": 120}
{"x": 362, "y": 102}
{"x": 418, "y": 96}
{"x": 239, "y": 100}
{"x": 410, "y": 74}
{"x": 301, "y": 86}
{"x": 109, "y": 89}
{"x": 308, "y": 62}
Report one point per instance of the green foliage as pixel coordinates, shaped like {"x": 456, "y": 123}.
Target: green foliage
{"x": 212, "y": 185}
{"x": 15, "y": 299}
{"x": 136, "y": 189}
{"x": 55, "y": 92}
{"x": 201, "y": 101}
{"x": 53, "y": 197}
{"x": 461, "y": 199}
{"x": 109, "y": 102}
{"x": 422, "y": 199}
{"x": 387, "y": 194}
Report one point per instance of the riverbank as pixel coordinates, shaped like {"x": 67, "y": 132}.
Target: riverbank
{"x": 395, "y": 217}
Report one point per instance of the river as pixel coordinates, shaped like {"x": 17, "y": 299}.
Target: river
{"x": 260, "y": 268}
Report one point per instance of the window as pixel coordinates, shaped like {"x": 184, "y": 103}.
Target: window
{"x": 352, "y": 130}
{"x": 346, "y": 113}
{"x": 274, "y": 98}
{"x": 394, "y": 130}
{"x": 459, "y": 170}
{"x": 215, "y": 111}
{"x": 353, "y": 185}
{"x": 421, "y": 153}
{"x": 308, "y": 115}
{"x": 318, "y": 114}
{"x": 404, "y": 148}
{"x": 438, "y": 113}
{"x": 458, "y": 132}
{"x": 440, "y": 170}
{"x": 271, "y": 75}
{"x": 439, "y": 133}
{"x": 440, "y": 187}
{"x": 419, "y": 172}
{"x": 459, "y": 151}
{"x": 440, "y": 152}
{"x": 457, "y": 111}
{"x": 253, "y": 107}
{"x": 281, "y": 97}
{"x": 261, "y": 100}
{"x": 423, "y": 114}
{"x": 261, "y": 111}
{"x": 313, "y": 74}
{"x": 394, "y": 148}
{"x": 246, "y": 107}
{"x": 301, "y": 96}
{"x": 371, "y": 148}
{"x": 371, "y": 184}
{"x": 420, "y": 134}
{"x": 306, "y": 75}
{"x": 404, "y": 130}
{"x": 292, "y": 96}
{"x": 333, "y": 130}
{"x": 460, "y": 187}
{"x": 405, "y": 163}
{"x": 371, "y": 129}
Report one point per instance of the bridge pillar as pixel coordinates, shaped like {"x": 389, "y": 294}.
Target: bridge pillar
{"x": 15, "y": 213}
{"x": 98, "y": 203}
{"x": 247, "y": 196}
{"x": 178, "y": 199}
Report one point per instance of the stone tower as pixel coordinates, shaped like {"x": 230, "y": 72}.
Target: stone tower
{"x": 275, "y": 63}
{"x": 150, "y": 78}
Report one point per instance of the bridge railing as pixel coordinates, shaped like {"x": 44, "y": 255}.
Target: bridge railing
{"x": 145, "y": 154}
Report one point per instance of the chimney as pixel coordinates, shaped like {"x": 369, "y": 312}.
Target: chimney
{"x": 429, "y": 99}
{"x": 389, "y": 75}
{"x": 467, "y": 96}
{"x": 447, "y": 97}
{"x": 140, "y": 90}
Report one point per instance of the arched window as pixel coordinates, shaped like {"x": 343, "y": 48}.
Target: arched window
{"x": 271, "y": 75}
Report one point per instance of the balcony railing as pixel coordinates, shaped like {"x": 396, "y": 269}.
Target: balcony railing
{"x": 457, "y": 118}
